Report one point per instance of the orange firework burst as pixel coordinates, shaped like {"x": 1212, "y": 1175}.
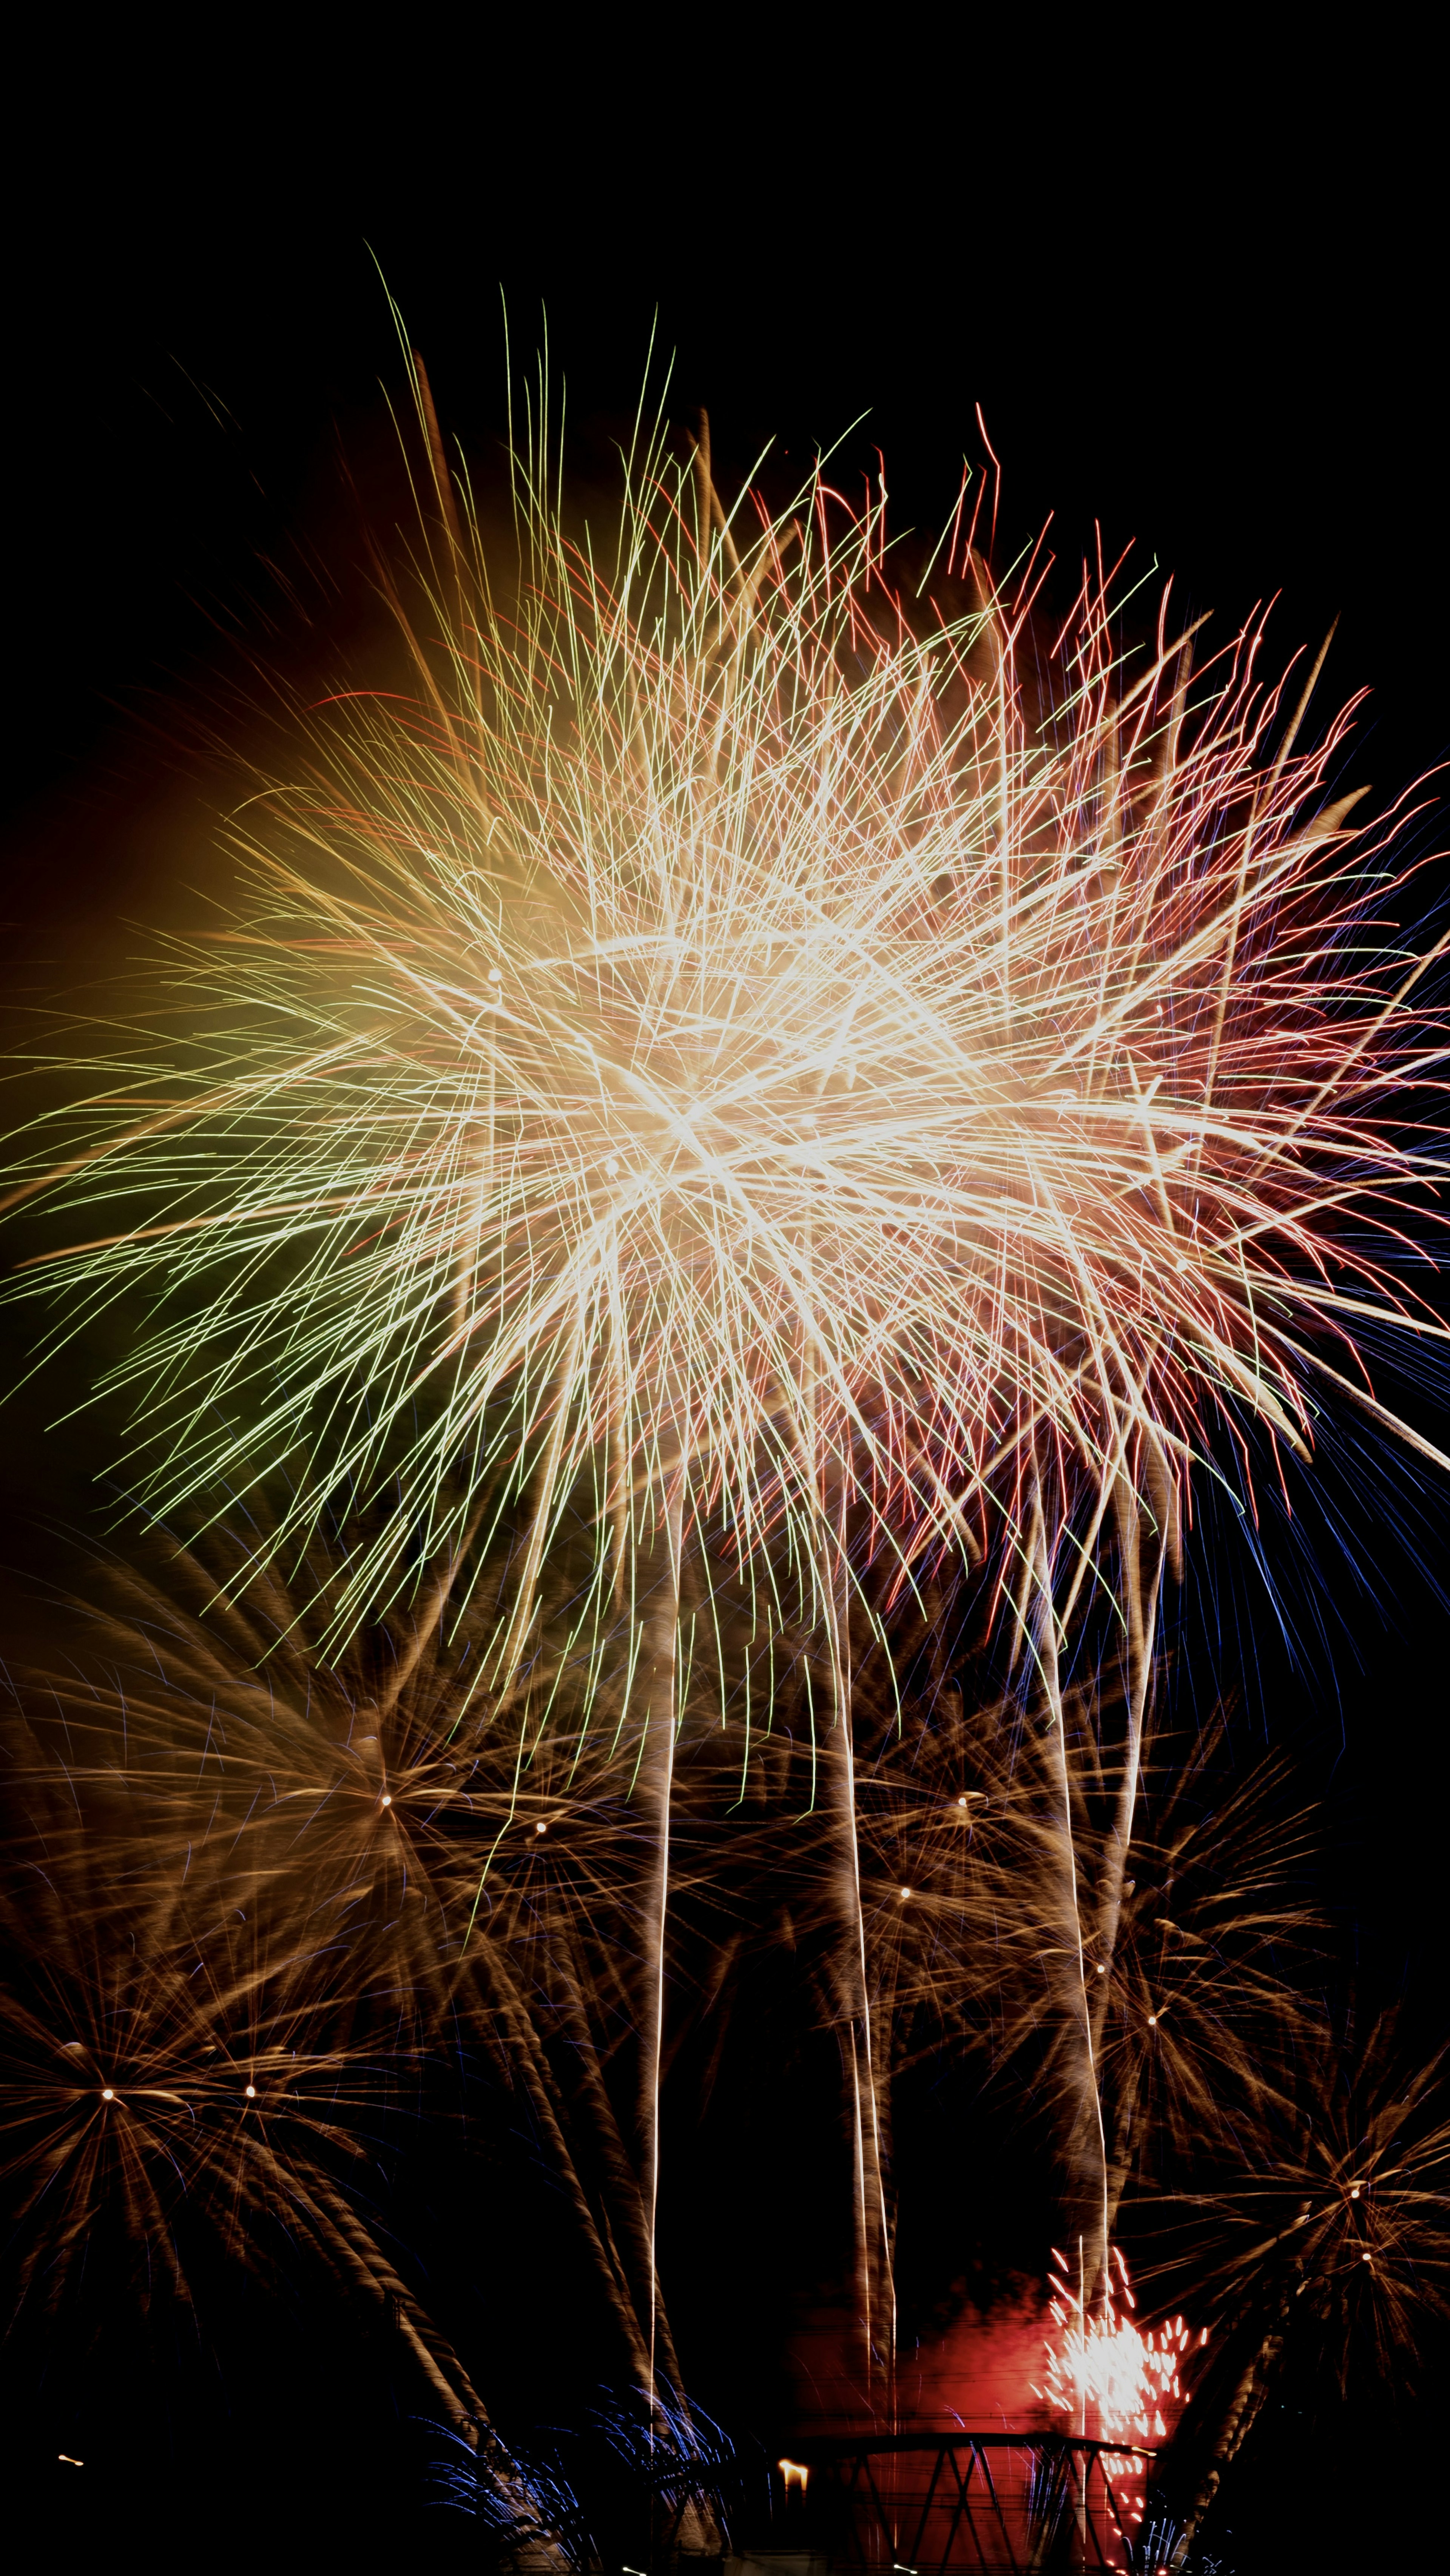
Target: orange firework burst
{"x": 173, "y": 2075}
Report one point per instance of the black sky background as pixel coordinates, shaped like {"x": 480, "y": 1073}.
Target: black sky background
{"x": 1195, "y": 281}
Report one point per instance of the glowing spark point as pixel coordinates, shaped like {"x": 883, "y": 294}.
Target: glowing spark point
{"x": 107, "y": 2094}
{"x": 1354, "y": 2191}
{"x": 251, "y": 2092}
{"x": 1366, "y": 2258}
{"x": 387, "y": 1798}
{"x": 1152, "y": 2021}
{"x": 906, "y": 1891}
{"x": 612, "y": 1165}
{"x": 541, "y": 1829}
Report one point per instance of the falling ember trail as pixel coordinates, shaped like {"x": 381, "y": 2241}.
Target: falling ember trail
{"x": 660, "y": 1655}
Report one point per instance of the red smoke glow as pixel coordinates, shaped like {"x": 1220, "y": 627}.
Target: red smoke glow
{"x": 1025, "y": 2367}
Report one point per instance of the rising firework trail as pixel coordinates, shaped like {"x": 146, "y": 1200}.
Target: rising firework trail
{"x": 787, "y": 1083}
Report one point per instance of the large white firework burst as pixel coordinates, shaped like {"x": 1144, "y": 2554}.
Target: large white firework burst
{"x": 717, "y": 1037}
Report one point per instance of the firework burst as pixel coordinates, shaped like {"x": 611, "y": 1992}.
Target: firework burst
{"x": 1342, "y": 2227}
{"x": 738, "y": 1071}
{"x": 175, "y": 2079}
{"x": 1324, "y": 2246}
{"x": 715, "y": 1037}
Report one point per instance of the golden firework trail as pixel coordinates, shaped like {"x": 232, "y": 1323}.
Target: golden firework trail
{"x": 776, "y": 1078}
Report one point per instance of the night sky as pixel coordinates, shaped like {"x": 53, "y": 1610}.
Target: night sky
{"x": 1200, "y": 302}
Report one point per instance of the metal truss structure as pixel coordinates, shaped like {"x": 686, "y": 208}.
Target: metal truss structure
{"x": 1014, "y": 2504}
